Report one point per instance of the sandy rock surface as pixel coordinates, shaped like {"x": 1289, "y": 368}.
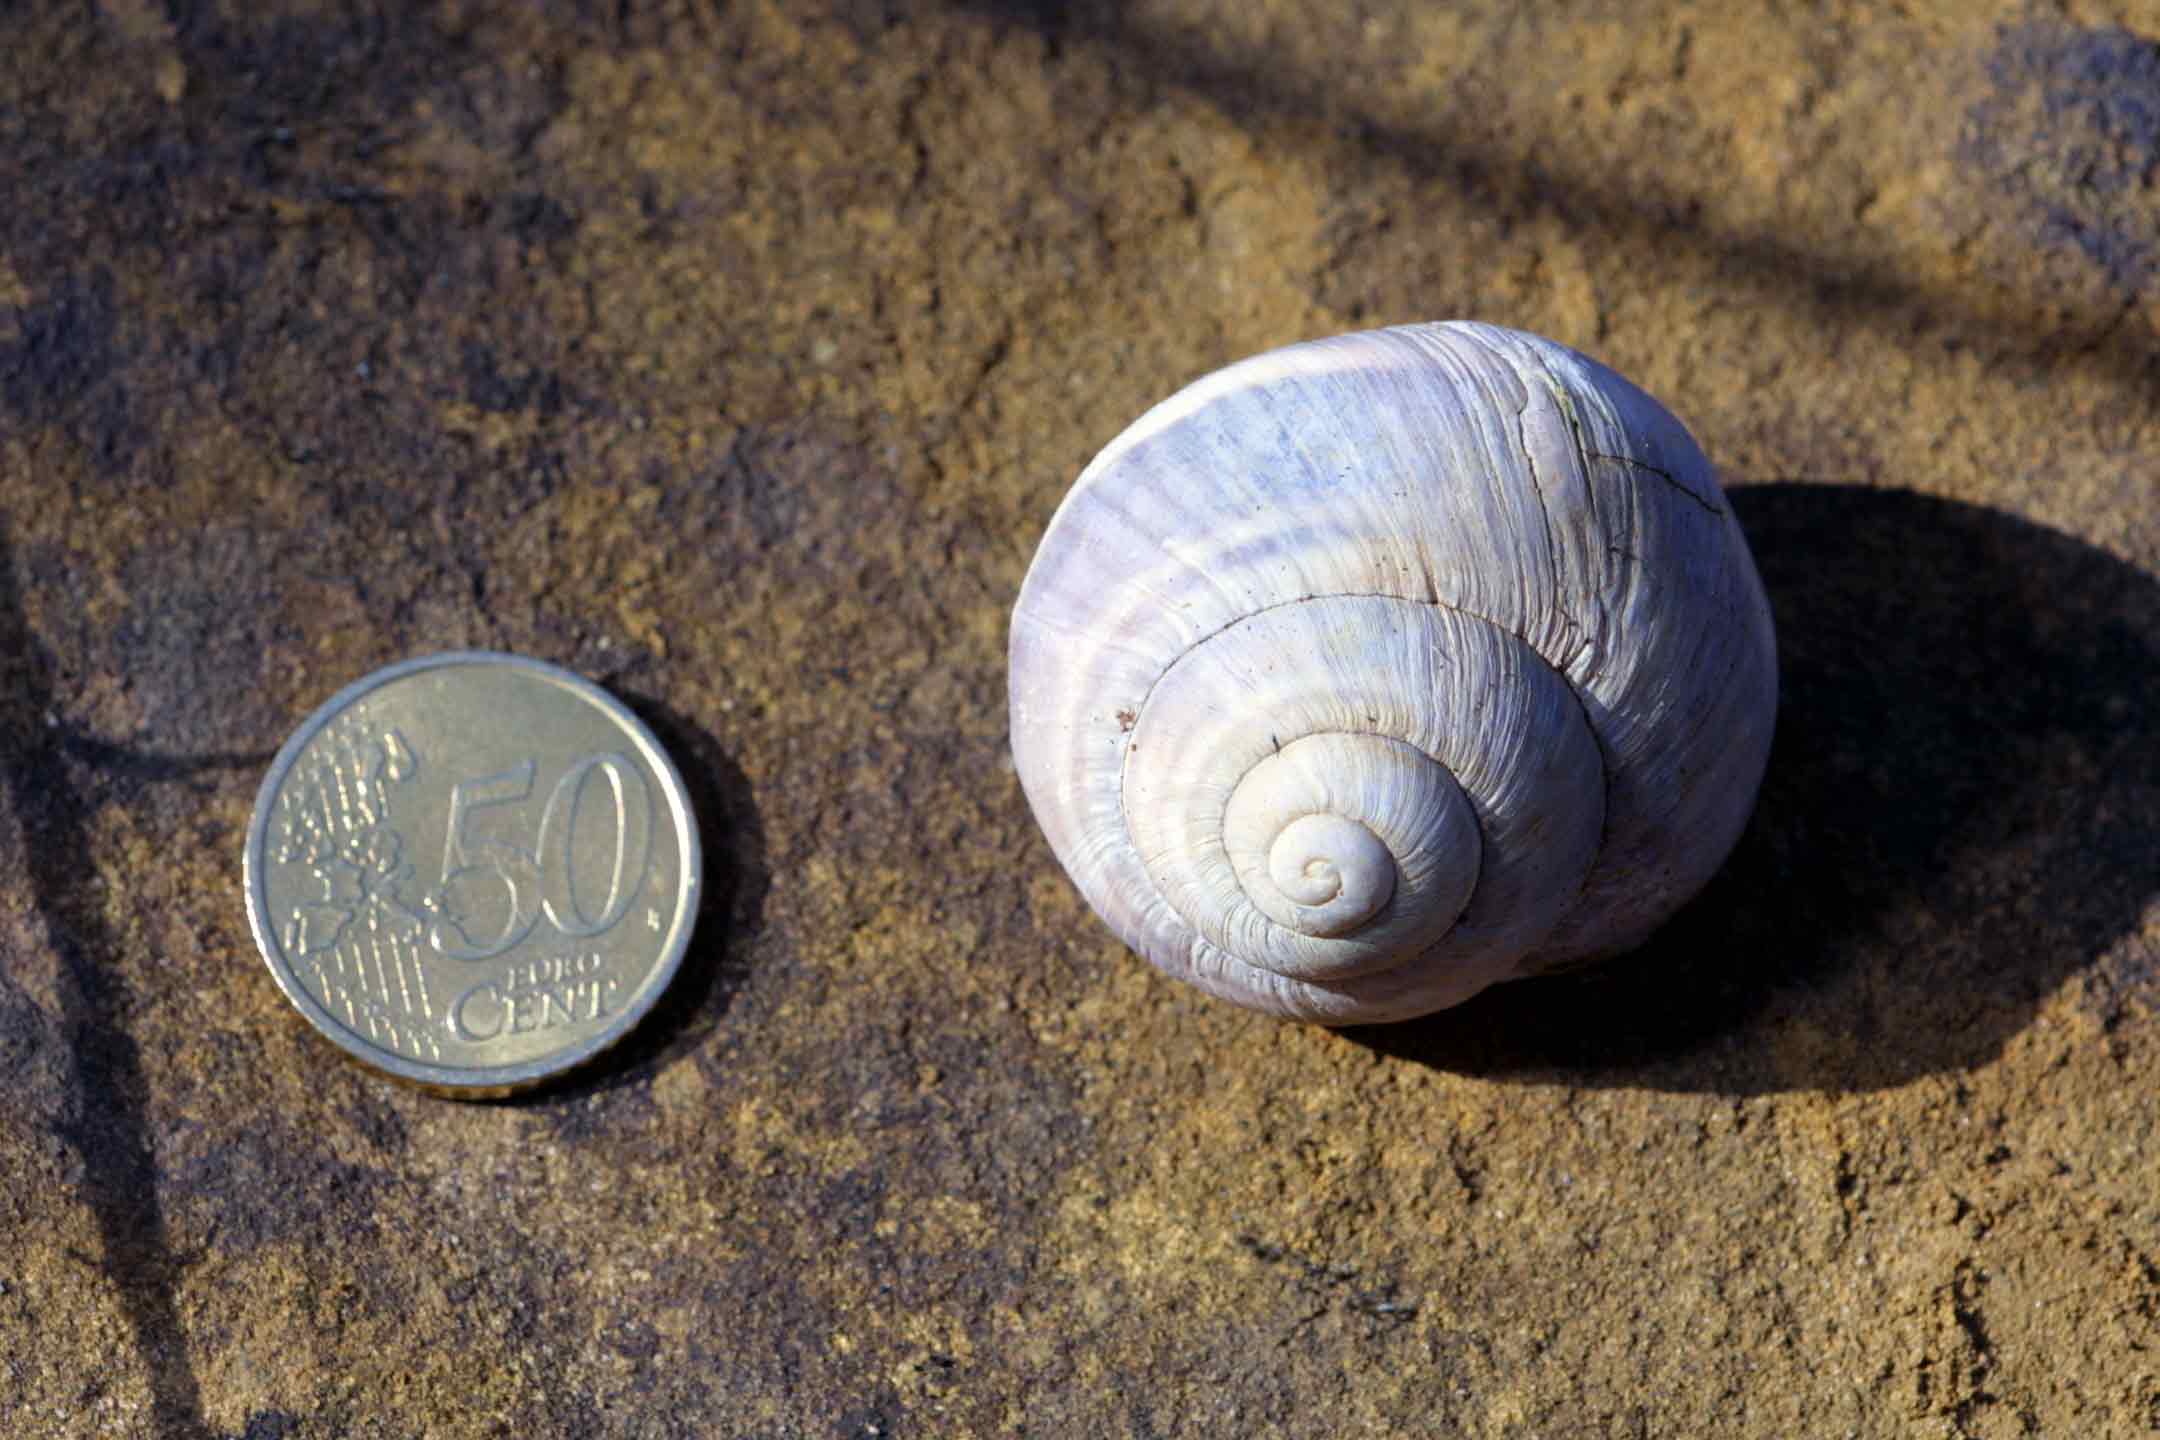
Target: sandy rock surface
{"x": 735, "y": 355}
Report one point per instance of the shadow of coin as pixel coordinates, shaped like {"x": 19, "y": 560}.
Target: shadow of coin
{"x": 1962, "y": 809}
{"x": 729, "y": 912}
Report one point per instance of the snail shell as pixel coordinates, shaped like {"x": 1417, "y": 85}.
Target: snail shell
{"x": 1368, "y": 672}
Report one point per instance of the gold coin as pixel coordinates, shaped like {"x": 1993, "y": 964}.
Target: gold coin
{"x": 472, "y": 871}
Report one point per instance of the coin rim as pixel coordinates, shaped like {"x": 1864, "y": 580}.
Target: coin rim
{"x": 490, "y": 1081}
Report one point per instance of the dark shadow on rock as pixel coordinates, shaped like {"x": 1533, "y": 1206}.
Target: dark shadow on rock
{"x": 1962, "y": 809}
{"x": 730, "y": 910}
{"x": 103, "y": 1116}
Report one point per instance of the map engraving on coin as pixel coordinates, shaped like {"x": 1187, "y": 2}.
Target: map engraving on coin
{"x": 473, "y": 871}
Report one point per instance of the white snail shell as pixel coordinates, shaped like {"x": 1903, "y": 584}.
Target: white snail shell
{"x": 1365, "y": 673}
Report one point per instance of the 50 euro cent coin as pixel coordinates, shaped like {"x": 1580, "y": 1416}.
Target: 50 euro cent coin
{"x": 472, "y": 871}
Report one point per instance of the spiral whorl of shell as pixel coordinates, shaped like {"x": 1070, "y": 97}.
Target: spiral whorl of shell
{"x": 1368, "y": 672}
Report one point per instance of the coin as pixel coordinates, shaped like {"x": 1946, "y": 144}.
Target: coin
{"x": 472, "y": 871}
